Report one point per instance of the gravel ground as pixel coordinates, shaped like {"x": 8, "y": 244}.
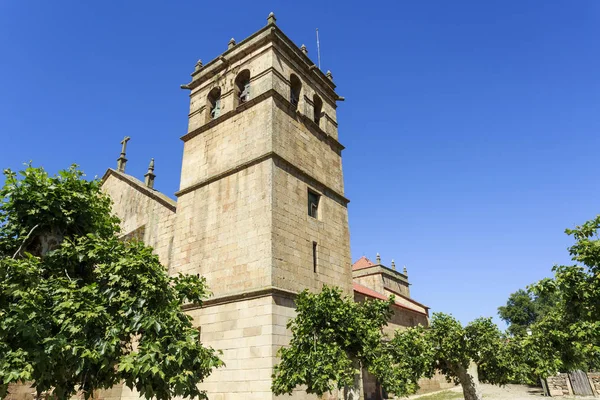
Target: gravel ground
{"x": 508, "y": 392}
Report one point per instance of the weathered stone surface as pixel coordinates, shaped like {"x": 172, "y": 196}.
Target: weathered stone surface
{"x": 559, "y": 385}
{"x": 144, "y": 210}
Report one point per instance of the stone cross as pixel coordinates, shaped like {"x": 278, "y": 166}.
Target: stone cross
{"x": 122, "y": 161}
{"x": 124, "y": 143}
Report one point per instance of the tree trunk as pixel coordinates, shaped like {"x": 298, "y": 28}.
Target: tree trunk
{"x": 43, "y": 243}
{"x": 469, "y": 382}
{"x": 356, "y": 391}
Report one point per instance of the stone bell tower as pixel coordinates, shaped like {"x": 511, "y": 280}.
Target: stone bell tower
{"x": 261, "y": 211}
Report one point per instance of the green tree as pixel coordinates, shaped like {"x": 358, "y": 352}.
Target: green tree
{"x": 519, "y": 312}
{"x": 450, "y": 348}
{"x": 568, "y": 336}
{"x": 523, "y": 308}
{"x": 333, "y": 338}
{"x": 81, "y": 309}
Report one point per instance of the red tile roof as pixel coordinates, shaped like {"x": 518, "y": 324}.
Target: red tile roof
{"x": 361, "y": 263}
{"x": 376, "y": 295}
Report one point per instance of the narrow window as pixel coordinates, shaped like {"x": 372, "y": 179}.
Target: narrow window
{"x": 315, "y": 257}
{"x": 242, "y": 87}
{"x": 313, "y": 204}
{"x": 318, "y": 108}
{"x": 214, "y": 103}
{"x": 295, "y": 88}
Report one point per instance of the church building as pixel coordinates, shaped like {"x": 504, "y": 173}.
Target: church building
{"x": 260, "y": 212}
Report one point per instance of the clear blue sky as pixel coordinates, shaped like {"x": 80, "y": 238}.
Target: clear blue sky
{"x": 471, "y": 127}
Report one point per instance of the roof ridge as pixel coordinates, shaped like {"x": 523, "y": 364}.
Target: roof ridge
{"x": 141, "y": 186}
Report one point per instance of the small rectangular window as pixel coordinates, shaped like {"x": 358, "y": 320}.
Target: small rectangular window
{"x": 315, "y": 257}
{"x": 313, "y": 204}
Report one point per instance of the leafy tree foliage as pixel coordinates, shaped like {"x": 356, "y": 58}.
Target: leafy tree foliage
{"x": 81, "y": 309}
{"x": 449, "y": 347}
{"x": 333, "y": 337}
{"x": 519, "y": 312}
{"x": 523, "y": 308}
{"x": 407, "y": 357}
{"x": 568, "y": 336}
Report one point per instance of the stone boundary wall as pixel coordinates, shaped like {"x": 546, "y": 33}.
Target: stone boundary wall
{"x": 434, "y": 384}
{"x": 560, "y": 385}
{"x": 594, "y": 378}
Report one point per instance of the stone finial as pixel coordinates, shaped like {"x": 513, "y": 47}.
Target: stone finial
{"x": 405, "y": 271}
{"x": 329, "y": 75}
{"x": 378, "y": 259}
{"x": 149, "y": 176}
{"x": 393, "y": 265}
{"x": 304, "y": 50}
{"x": 271, "y": 19}
{"x": 122, "y": 161}
{"x": 198, "y": 66}
{"x": 231, "y": 43}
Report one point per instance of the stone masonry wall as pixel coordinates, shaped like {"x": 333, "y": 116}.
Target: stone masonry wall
{"x": 230, "y": 143}
{"x": 136, "y": 209}
{"x": 294, "y": 232}
{"x": 372, "y": 281}
{"x": 285, "y": 66}
{"x": 594, "y": 378}
{"x": 243, "y": 331}
{"x": 396, "y": 286}
{"x": 223, "y": 231}
{"x": 302, "y": 144}
{"x": 437, "y": 382}
{"x": 249, "y": 332}
{"x": 559, "y": 385}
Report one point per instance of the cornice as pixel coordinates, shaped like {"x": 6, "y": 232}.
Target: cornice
{"x": 235, "y": 297}
{"x": 267, "y": 156}
{"x": 379, "y": 269}
{"x": 224, "y": 174}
